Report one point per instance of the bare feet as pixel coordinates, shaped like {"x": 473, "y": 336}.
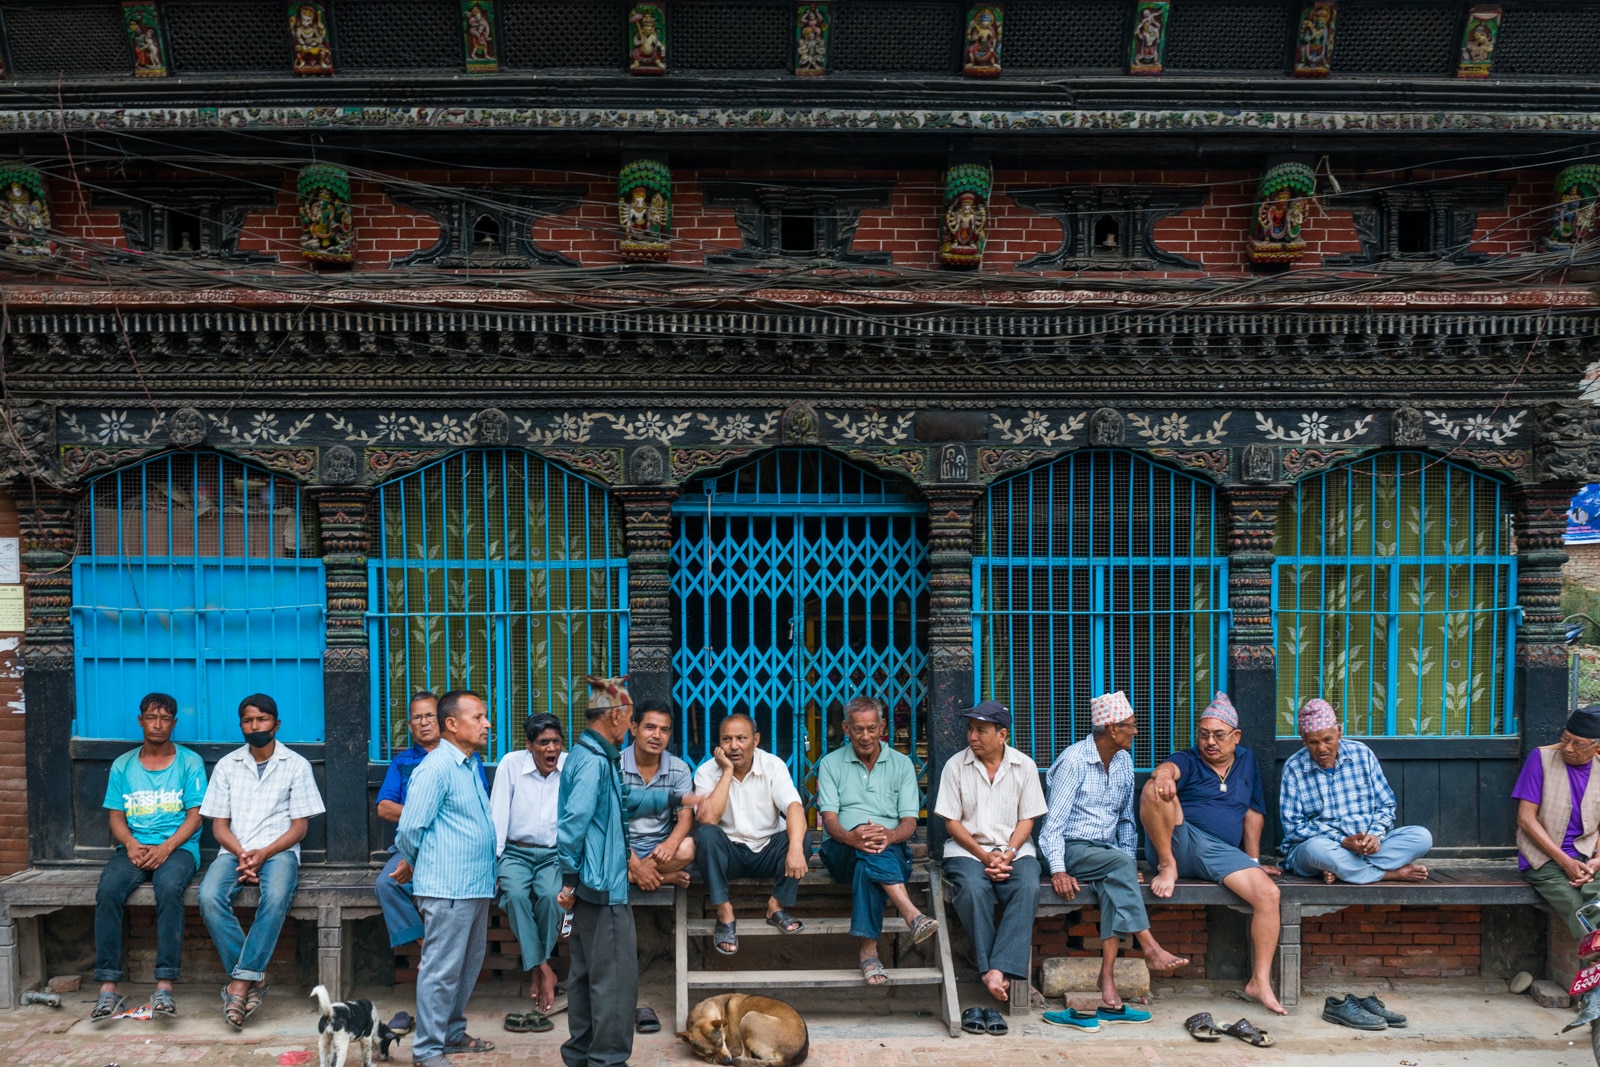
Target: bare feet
{"x": 543, "y": 992}
{"x": 1411, "y": 872}
{"x": 1108, "y": 991}
{"x": 677, "y": 878}
{"x": 1328, "y": 878}
{"x": 998, "y": 984}
{"x": 1262, "y": 992}
{"x": 1161, "y": 961}
{"x": 1166, "y": 877}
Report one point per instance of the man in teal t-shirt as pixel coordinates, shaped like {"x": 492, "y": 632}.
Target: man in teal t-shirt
{"x": 154, "y": 796}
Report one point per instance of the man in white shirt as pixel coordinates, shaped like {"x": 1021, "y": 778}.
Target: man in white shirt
{"x": 527, "y": 786}
{"x": 751, "y": 825}
{"x": 989, "y": 797}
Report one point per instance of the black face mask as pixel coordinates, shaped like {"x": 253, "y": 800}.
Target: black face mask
{"x": 259, "y": 738}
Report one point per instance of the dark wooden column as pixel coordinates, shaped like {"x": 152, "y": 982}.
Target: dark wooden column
{"x": 950, "y": 665}
{"x": 346, "y": 679}
{"x": 1252, "y": 646}
{"x": 1541, "y": 668}
{"x": 647, "y": 533}
{"x": 47, "y": 519}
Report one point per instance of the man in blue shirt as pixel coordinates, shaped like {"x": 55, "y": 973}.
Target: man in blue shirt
{"x": 154, "y": 796}
{"x": 446, "y": 835}
{"x": 1203, "y": 812}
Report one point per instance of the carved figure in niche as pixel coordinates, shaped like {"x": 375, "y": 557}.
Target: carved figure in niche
{"x": 1106, "y": 427}
{"x": 953, "y": 464}
{"x": 186, "y": 428}
{"x": 985, "y": 24}
{"x": 1477, "y": 42}
{"x": 1577, "y": 190}
{"x": 26, "y": 217}
{"x": 1149, "y": 37}
{"x": 647, "y": 466}
{"x": 644, "y": 210}
{"x": 327, "y": 226}
{"x": 1281, "y": 202}
{"x": 144, "y": 38}
{"x": 647, "y": 32}
{"x": 966, "y": 215}
{"x": 811, "y": 40}
{"x": 477, "y": 36}
{"x": 1313, "y": 51}
{"x": 493, "y": 427}
{"x": 339, "y": 465}
{"x": 1408, "y": 428}
{"x": 800, "y": 425}
{"x": 1258, "y": 464}
{"x": 313, "y": 51}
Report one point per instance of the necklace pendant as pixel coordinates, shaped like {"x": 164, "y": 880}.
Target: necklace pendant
{"x": 1222, "y": 787}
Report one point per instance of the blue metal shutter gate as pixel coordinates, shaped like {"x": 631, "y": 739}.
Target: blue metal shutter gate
{"x": 198, "y": 576}
{"x": 1096, "y": 572}
{"x": 799, "y": 580}
{"x": 498, "y": 572}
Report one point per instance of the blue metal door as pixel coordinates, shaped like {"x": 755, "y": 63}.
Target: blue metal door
{"x": 799, "y": 580}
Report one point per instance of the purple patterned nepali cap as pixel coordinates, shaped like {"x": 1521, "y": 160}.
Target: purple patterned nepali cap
{"x": 1221, "y": 709}
{"x": 1316, "y": 716}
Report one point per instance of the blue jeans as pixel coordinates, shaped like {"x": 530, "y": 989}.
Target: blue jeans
{"x": 400, "y": 913}
{"x": 246, "y": 957}
{"x": 117, "y": 882}
{"x": 866, "y": 873}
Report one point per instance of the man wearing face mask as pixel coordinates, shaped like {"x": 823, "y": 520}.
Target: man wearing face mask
{"x": 260, "y": 801}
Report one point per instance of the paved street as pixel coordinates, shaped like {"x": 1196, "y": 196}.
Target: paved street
{"x": 1469, "y": 1024}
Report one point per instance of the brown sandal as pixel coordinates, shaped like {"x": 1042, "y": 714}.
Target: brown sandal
{"x": 233, "y": 1012}
{"x": 1202, "y": 1027}
{"x": 1246, "y": 1031}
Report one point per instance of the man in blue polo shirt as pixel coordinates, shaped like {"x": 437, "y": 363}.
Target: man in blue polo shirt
{"x": 1203, "y": 813}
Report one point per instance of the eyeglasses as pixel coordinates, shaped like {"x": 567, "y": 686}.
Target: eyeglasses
{"x": 1213, "y": 735}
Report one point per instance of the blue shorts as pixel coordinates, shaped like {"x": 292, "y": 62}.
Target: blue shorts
{"x": 1200, "y": 855}
{"x": 643, "y": 846}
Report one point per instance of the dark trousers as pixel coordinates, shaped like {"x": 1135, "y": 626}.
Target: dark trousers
{"x": 1007, "y": 949}
{"x": 118, "y": 880}
{"x": 602, "y": 986}
{"x": 720, "y": 860}
{"x": 866, "y": 873}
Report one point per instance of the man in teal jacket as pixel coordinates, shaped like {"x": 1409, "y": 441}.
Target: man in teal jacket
{"x": 592, "y": 846}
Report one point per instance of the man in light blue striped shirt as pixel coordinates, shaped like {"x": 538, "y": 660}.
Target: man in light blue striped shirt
{"x": 447, "y": 835}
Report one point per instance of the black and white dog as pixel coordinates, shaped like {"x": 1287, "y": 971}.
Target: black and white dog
{"x": 343, "y": 1024}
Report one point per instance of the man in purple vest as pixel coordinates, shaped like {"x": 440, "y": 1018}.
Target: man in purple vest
{"x": 1558, "y": 818}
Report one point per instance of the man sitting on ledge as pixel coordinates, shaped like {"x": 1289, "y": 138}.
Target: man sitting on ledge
{"x": 1558, "y": 800}
{"x": 1338, "y": 810}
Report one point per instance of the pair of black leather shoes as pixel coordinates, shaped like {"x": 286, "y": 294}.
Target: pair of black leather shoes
{"x": 1360, "y": 1013}
{"x": 983, "y": 1021}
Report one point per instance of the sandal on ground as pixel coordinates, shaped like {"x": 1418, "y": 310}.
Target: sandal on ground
{"x": 1246, "y": 1031}
{"x": 517, "y": 1022}
{"x": 162, "y": 1006}
{"x": 233, "y": 1009}
{"x": 645, "y": 1021}
{"x": 785, "y": 922}
{"x": 1202, "y": 1027}
{"x": 107, "y": 1005}
{"x": 922, "y": 928}
{"x": 253, "y": 999}
{"x": 994, "y": 1022}
{"x": 872, "y": 970}
{"x": 468, "y": 1043}
{"x": 726, "y": 934}
{"x": 972, "y": 1021}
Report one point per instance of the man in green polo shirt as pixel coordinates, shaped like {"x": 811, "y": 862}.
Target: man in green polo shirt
{"x": 868, "y": 798}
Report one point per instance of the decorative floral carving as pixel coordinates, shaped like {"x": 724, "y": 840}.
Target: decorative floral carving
{"x": 873, "y": 426}
{"x": 1314, "y": 429}
{"x": 1173, "y": 429}
{"x": 687, "y": 462}
{"x": 1577, "y": 192}
{"x": 648, "y": 426}
{"x": 26, "y": 218}
{"x": 1036, "y": 426}
{"x": 1475, "y": 427}
{"x": 1299, "y": 461}
{"x": 811, "y": 40}
{"x": 262, "y": 428}
{"x": 1313, "y": 51}
{"x": 313, "y": 46}
{"x": 187, "y": 428}
{"x": 1149, "y": 37}
{"x": 644, "y": 210}
{"x": 909, "y": 461}
{"x": 1478, "y": 40}
{"x": 145, "y": 38}
{"x": 1512, "y": 459}
{"x": 383, "y": 462}
{"x": 299, "y": 462}
{"x": 996, "y": 461}
{"x": 115, "y": 428}
{"x": 985, "y": 27}
{"x": 740, "y": 428}
{"x": 647, "y": 33}
{"x": 1217, "y": 461}
{"x": 603, "y": 463}
{"x": 78, "y": 460}
{"x": 1281, "y": 201}
{"x": 478, "y": 36}
{"x": 965, "y": 226}
{"x": 327, "y": 225}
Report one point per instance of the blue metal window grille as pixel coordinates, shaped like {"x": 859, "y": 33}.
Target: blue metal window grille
{"x": 500, "y": 572}
{"x": 198, "y": 576}
{"x": 799, "y": 580}
{"x": 1100, "y": 571}
{"x": 1394, "y": 599}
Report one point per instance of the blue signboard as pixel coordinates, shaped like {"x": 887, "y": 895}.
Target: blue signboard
{"x": 1583, "y": 519}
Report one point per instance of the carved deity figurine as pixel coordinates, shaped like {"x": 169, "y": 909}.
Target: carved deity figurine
{"x": 1477, "y": 42}
{"x": 144, "y": 38}
{"x": 1313, "y": 51}
{"x": 985, "y": 23}
{"x": 647, "y": 35}
{"x": 327, "y": 227}
{"x": 1281, "y": 200}
{"x": 25, "y": 216}
{"x": 313, "y": 50}
{"x": 1577, "y": 192}
{"x": 644, "y": 210}
{"x": 477, "y": 36}
{"x": 966, "y": 215}
{"x": 811, "y": 40}
{"x": 1149, "y": 37}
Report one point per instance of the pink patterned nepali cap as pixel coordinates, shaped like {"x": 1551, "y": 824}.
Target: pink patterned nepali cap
{"x": 1317, "y": 715}
{"x": 1221, "y": 709}
{"x": 1109, "y": 708}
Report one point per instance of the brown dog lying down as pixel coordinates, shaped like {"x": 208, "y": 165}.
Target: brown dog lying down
{"x": 735, "y": 1030}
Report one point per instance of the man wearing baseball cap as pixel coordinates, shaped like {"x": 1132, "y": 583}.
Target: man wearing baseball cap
{"x": 1203, "y": 812}
{"x": 989, "y": 796}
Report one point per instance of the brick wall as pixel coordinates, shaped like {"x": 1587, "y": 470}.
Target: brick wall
{"x": 1181, "y": 931}
{"x": 1583, "y": 565}
{"x": 13, "y": 770}
{"x": 1387, "y": 941}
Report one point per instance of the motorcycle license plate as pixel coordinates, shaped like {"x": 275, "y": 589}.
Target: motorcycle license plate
{"x": 1587, "y": 979}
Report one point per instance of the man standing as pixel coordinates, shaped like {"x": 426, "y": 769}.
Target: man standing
{"x": 446, "y": 836}
{"x": 1558, "y": 818}
{"x": 662, "y": 847}
{"x": 868, "y": 800}
{"x": 260, "y": 802}
{"x": 1203, "y": 813}
{"x": 527, "y": 789}
{"x": 752, "y": 825}
{"x": 1089, "y": 838}
{"x": 154, "y": 796}
{"x": 989, "y": 796}
{"x": 1338, "y": 810}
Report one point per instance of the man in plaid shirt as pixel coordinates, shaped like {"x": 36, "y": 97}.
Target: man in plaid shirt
{"x": 1338, "y": 810}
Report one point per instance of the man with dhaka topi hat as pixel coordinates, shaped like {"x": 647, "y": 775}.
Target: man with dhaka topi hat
{"x": 1558, "y": 818}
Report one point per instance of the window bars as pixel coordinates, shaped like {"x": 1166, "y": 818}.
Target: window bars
{"x": 499, "y": 572}
{"x": 1394, "y": 599}
{"x": 198, "y": 576}
{"x": 1097, "y": 572}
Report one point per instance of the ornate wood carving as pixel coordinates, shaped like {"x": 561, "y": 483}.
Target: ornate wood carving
{"x": 1109, "y": 227}
{"x": 486, "y": 227}
{"x": 342, "y": 519}
{"x": 834, "y": 210}
{"x": 1254, "y": 518}
{"x": 647, "y": 531}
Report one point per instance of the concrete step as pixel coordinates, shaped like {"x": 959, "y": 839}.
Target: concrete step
{"x": 844, "y": 978}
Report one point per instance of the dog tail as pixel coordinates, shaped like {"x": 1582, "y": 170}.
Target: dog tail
{"x": 326, "y": 1005}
